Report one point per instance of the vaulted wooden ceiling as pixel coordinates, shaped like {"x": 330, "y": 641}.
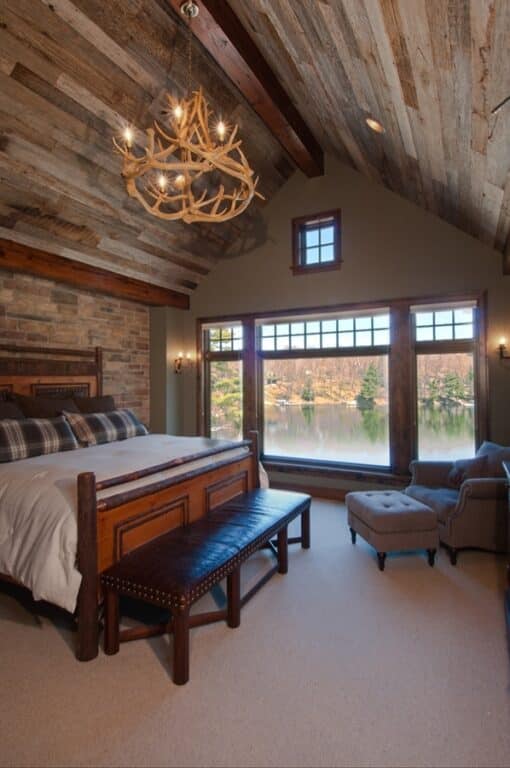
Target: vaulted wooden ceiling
{"x": 431, "y": 71}
{"x": 72, "y": 73}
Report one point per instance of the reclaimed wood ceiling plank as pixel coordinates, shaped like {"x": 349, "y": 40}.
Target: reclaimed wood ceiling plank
{"x": 430, "y": 71}
{"x": 72, "y": 74}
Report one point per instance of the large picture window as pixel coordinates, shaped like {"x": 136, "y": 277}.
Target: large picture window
{"x": 360, "y": 389}
{"x": 332, "y": 409}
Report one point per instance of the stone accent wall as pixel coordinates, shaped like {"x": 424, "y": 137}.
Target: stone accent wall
{"x": 40, "y": 312}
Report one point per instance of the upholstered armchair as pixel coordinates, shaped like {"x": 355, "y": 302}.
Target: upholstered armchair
{"x": 472, "y": 510}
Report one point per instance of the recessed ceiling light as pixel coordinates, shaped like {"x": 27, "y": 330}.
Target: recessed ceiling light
{"x": 375, "y": 125}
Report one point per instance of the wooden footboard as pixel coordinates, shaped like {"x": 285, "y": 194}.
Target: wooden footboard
{"x": 111, "y": 527}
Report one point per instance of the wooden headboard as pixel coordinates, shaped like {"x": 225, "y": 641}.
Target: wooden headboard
{"x": 50, "y": 372}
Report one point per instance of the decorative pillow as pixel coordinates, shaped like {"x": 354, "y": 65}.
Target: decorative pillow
{"x": 103, "y": 404}
{"x": 97, "y": 428}
{"x": 464, "y": 469}
{"x": 34, "y": 437}
{"x": 45, "y": 407}
{"x": 10, "y": 410}
{"x": 495, "y": 454}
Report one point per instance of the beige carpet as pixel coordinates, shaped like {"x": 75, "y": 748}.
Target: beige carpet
{"x": 335, "y": 664}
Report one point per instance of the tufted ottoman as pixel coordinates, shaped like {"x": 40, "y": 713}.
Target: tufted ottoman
{"x": 391, "y": 521}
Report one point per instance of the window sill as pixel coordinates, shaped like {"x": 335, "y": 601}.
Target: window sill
{"x": 300, "y": 269}
{"x": 340, "y": 472}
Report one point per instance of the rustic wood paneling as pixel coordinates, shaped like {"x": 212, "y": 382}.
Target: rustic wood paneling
{"x": 72, "y": 74}
{"x": 430, "y": 71}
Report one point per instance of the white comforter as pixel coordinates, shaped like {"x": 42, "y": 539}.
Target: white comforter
{"x": 38, "y": 505}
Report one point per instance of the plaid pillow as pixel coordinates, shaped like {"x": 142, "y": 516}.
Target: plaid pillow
{"x": 23, "y": 438}
{"x": 96, "y": 428}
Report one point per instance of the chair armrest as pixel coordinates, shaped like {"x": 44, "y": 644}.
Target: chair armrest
{"x": 432, "y": 473}
{"x": 484, "y": 488}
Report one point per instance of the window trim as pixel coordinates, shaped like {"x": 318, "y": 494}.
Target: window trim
{"x": 297, "y": 224}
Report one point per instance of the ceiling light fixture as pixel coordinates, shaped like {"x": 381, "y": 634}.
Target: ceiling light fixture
{"x": 375, "y": 125}
{"x": 190, "y": 168}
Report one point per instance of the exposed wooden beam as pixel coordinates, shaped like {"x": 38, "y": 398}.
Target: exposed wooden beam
{"x": 22, "y": 258}
{"x": 223, "y": 35}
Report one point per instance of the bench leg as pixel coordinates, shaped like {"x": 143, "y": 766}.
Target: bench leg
{"x": 111, "y": 617}
{"x": 381, "y": 558}
{"x": 234, "y": 598}
{"x": 305, "y": 529}
{"x": 283, "y": 550}
{"x": 181, "y": 646}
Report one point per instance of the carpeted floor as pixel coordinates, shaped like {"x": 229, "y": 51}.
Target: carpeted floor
{"x": 335, "y": 664}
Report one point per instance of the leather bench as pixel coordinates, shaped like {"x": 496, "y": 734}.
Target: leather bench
{"x": 176, "y": 569}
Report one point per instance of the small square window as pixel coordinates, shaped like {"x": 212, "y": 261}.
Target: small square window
{"x": 316, "y": 242}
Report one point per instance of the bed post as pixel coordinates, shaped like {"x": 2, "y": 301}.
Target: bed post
{"x": 253, "y": 435}
{"x": 88, "y": 618}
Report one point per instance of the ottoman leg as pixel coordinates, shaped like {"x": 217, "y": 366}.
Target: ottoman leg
{"x": 381, "y": 558}
{"x": 431, "y": 554}
{"x": 453, "y": 556}
{"x": 353, "y": 535}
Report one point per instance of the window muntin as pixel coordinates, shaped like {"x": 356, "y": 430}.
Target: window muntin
{"x": 224, "y": 338}
{"x": 316, "y": 241}
{"x": 329, "y": 334}
{"x": 444, "y": 324}
{"x": 334, "y": 409}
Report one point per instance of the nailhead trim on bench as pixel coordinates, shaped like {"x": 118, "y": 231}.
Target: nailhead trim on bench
{"x": 182, "y": 600}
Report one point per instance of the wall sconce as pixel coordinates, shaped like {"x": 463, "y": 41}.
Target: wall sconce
{"x": 503, "y": 354}
{"x": 181, "y": 362}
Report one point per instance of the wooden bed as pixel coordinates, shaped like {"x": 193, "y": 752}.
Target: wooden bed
{"x": 109, "y": 528}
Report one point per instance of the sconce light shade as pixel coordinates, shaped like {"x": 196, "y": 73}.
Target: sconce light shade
{"x": 503, "y": 354}
{"x": 182, "y": 362}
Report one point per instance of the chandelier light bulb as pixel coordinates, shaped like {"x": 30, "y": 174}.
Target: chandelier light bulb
{"x": 221, "y": 130}
{"x": 375, "y": 125}
{"x": 180, "y": 181}
{"x": 178, "y": 111}
{"x": 162, "y": 182}
{"x": 128, "y": 135}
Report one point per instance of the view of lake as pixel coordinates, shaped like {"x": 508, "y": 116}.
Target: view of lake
{"x": 338, "y": 432}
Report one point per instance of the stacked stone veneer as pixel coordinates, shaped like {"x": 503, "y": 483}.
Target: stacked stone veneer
{"x": 43, "y": 313}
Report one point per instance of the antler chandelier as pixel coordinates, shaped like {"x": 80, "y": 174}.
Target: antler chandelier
{"x": 191, "y": 168}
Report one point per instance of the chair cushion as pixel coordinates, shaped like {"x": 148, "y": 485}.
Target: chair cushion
{"x": 442, "y": 500}
{"x": 390, "y": 511}
{"x": 496, "y": 455}
{"x": 465, "y": 469}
